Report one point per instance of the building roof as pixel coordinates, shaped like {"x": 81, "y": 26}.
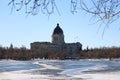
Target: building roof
{"x": 58, "y": 30}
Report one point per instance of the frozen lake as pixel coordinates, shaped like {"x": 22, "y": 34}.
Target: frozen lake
{"x": 84, "y": 69}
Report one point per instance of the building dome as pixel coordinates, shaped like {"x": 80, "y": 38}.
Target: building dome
{"x": 58, "y": 30}
{"x": 58, "y": 35}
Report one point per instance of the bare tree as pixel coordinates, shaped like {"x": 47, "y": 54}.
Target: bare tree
{"x": 34, "y": 6}
{"x": 106, "y": 11}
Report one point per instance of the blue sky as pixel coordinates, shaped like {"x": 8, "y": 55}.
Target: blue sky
{"x": 20, "y": 30}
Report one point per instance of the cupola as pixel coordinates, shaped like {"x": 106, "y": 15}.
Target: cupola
{"x": 58, "y": 30}
{"x": 58, "y": 35}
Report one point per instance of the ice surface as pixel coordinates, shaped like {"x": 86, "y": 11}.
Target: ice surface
{"x": 99, "y": 76}
{"x": 46, "y": 66}
{"x": 97, "y": 69}
{"x": 20, "y": 76}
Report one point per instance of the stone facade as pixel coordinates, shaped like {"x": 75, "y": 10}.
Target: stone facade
{"x": 57, "y": 44}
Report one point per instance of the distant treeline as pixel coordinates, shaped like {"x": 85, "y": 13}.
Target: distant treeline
{"x": 26, "y": 54}
{"x": 104, "y": 52}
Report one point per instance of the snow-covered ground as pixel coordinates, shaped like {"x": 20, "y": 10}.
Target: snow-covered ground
{"x": 84, "y": 69}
